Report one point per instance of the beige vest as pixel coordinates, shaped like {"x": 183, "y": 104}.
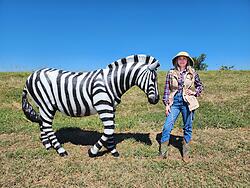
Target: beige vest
{"x": 188, "y": 84}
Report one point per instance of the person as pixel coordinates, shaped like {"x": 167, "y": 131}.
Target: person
{"x": 182, "y": 87}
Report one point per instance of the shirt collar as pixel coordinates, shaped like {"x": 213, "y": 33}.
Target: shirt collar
{"x": 181, "y": 72}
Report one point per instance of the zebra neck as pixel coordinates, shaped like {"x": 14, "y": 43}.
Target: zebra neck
{"x": 121, "y": 78}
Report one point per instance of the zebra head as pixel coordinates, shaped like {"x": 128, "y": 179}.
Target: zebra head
{"x": 147, "y": 81}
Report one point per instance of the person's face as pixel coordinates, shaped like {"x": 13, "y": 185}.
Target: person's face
{"x": 182, "y": 61}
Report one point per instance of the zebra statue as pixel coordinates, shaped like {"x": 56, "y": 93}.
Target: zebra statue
{"x": 79, "y": 94}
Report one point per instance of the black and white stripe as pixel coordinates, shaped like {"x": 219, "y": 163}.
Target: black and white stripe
{"x": 79, "y": 94}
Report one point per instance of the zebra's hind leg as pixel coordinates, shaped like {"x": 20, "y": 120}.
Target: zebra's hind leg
{"x": 44, "y": 138}
{"x": 47, "y": 129}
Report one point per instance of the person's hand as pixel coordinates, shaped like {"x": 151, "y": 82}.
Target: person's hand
{"x": 167, "y": 109}
{"x": 190, "y": 92}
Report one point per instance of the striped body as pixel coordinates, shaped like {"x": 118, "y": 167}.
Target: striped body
{"x": 68, "y": 92}
{"x": 79, "y": 94}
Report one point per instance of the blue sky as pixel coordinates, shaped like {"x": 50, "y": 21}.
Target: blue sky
{"x": 89, "y": 34}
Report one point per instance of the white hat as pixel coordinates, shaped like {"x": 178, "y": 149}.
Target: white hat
{"x": 191, "y": 61}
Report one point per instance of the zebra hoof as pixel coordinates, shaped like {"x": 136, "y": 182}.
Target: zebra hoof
{"x": 63, "y": 154}
{"x": 91, "y": 154}
{"x": 116, "y": 154}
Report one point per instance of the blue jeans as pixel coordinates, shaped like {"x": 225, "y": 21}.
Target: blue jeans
{"x": 179, "y": 105}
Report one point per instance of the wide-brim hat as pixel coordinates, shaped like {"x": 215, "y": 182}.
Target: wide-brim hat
{"x": 191, "y": 61}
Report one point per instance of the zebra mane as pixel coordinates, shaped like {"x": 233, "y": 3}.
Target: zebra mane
{"x": 140, "y": 58}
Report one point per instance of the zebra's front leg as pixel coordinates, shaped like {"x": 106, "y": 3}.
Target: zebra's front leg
{"x": 103, "y": 104}
{"x": 107, "y": 138}
{"x": 111, "y": 145}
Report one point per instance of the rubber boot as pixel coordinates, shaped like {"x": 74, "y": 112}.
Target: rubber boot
{"x": 185, "y": 151}
{"x": 163, "y": 150}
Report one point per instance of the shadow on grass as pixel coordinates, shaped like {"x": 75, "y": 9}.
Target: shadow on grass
{"x": 78, "y": 136}
{"x": 175, "y": 141}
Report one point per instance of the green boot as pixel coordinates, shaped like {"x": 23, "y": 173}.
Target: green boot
{"x": 185, "y": 151}
{"x": 164, "y": 150}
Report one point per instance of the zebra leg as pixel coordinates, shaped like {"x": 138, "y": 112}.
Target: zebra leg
{"x": 103, "y": 104}
{"x": 111, "y": 145}
{"x": 47, "y": 129}
{"x": 107, "y": 138}
{"x": 93, "y": 151}
{"x": 44, "y": 138}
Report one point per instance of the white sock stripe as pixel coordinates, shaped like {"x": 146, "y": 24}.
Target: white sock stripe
{"x": 48, "y": 145}
{"x": 100, "y": 143}
{"x": 108, "y": 123}
{"x": 46, "y": 125}
{"x": 54, "y": 141}
{"x": 109, "y": 131}
{"x": 94, "y": 150}
{"x": 52, "y": 137}
{"x": 50, "y": 133}
{"x": 109, "y": 115}
{"x": 61, "y": 150}
{"x": 56, "y": 145}
{"x": 104, "y": 106}
{"x": 104, "y": 138}
{"x": 48, "y": 130}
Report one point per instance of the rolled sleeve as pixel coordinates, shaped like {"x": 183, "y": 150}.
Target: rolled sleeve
{"x": 166, "y": 90}
{"x": 198, "y": 85}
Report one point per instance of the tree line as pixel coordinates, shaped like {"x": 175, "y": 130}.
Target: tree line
{"x": 200, "y": 65}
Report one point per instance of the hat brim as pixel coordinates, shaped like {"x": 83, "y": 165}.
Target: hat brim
{"x": 191, "y": 61}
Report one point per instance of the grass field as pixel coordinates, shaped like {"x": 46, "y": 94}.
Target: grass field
{"x": 220, "y": 155}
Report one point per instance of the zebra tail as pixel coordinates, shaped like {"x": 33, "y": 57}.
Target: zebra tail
{"x": 28, "y": 110}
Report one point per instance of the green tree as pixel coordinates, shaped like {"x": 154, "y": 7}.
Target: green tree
{"x": 198, "y": 62}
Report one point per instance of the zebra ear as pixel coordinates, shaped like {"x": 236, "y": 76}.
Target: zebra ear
{"x": 154, "y": 66}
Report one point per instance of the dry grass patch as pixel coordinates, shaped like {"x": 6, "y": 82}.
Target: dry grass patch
{"x": 219, "y": 157}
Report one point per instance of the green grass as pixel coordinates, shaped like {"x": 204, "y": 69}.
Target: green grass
{"x": 220, "y": 147}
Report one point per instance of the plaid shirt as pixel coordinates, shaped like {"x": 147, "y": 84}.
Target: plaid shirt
{"x": 197, "y": 84}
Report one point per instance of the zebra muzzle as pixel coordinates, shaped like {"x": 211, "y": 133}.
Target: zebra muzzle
{"x": 153, "y": 100}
